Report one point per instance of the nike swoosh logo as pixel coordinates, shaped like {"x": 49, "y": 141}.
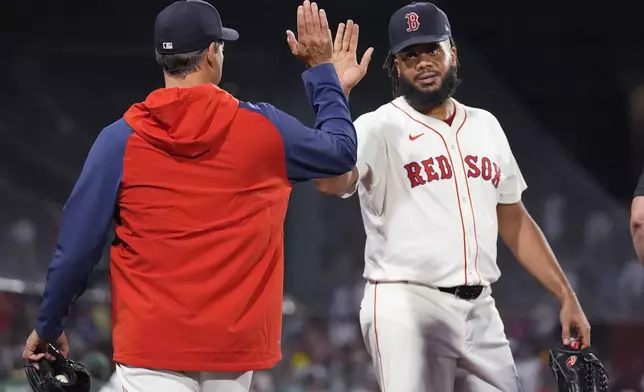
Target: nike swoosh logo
{"x": 414, "y": 137}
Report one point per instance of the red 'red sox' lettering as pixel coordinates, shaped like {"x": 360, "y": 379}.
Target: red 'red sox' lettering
{"x": 439, "y": 168}
{"x": 429, "y": 167}
{"x": 488, "y": 170}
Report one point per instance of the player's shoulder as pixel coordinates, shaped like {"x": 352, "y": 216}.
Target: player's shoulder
{"x": 480, "y": 115}
{"x": 484, "y": 118}
{"x": 376, "y": 121}
{"x": 118, "y": 127}
{"x": 110, "y": 144}
{"x": 374, "y": 116}
{"x": 114, "y": 135}
{"x": 263, "y": 108}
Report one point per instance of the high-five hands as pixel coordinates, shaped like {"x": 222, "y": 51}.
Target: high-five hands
{"x": 313, "y": 45}
{"x": 345, "y": 58}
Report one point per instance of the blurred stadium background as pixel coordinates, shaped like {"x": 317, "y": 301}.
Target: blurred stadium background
{"x": 565, "y": 79}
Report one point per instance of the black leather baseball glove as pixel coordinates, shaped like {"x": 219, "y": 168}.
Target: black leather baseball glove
{"x": 61, "y": 375}
{"x": 577, "y": 370}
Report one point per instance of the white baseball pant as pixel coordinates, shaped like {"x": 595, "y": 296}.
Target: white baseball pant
{"x": 150, "y": 380}
{"x": 112, "y": 385}
{"x": 425, "y": 340}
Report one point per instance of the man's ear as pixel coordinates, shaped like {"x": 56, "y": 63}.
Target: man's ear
{"x": 397, "y": 65}
{"x": 454, "y": 56}
{"x": 214, "y": 48}
{"x": 211, "y": 53}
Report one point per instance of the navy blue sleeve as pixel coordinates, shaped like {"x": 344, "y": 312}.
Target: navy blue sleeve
{"x": 329, "y": 149}
{"x": 86, "y": 220}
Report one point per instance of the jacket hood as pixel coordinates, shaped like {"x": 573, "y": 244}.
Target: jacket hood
{"x": 184, "y": 122}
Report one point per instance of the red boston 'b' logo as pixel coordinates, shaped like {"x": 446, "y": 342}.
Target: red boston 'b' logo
{"x": 412, "y": 21}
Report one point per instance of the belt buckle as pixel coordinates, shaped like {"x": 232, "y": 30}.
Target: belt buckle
{"x": 467, "y": 293}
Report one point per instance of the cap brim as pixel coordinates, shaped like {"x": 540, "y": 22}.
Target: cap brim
{"x": 420, "y": 39}
{"x": 229, "y": 34}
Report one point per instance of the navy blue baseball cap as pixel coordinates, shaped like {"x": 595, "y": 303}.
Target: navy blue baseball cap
{"x": 189, "y": 25}
{"x": 417, "y": 23}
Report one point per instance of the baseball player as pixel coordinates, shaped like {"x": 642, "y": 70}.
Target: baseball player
{"x": 437, "y": 183}
{"x": 197, "y": 184}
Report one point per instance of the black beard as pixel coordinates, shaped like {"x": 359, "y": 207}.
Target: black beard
{"x": 426, "y": 101}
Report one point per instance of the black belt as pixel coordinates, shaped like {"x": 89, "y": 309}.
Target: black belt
{"x": 463, "y": 292}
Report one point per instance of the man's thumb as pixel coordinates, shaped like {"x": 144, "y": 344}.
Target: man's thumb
{"x": 366, "y": 59}
{"x": 565, "y": 333}
{"x": 292, "y": 41}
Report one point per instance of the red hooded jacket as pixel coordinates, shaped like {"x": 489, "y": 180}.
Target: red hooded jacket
{"x": 197, "y": 184}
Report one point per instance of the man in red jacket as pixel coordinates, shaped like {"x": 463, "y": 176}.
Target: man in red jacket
{"x": 197, "y": 184}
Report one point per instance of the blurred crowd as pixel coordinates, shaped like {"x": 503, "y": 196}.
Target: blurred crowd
{"x": 322, "y": 353}
{"x": 322, "y": 342}
{"x": 323, "y": 350}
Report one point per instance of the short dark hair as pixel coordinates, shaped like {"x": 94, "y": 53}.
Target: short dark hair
{"x": 390, "y": 66}
{"x": 182, "y": 64}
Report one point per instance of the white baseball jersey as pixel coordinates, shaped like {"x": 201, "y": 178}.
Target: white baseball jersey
{"x": 429, "y": 204}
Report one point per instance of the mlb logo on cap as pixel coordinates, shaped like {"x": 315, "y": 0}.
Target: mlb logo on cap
{"x": 189, "y": 25}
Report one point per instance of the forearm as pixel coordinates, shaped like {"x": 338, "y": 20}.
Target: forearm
{"x": 530, "y": 247}
{"x": 67, "y": 279}
{"x": 338, "y": 185}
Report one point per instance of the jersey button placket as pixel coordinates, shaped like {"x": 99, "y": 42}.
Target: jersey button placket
{"x": 468, "y": 219}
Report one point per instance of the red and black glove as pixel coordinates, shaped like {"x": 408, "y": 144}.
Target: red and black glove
{"x": 577, "y": 370}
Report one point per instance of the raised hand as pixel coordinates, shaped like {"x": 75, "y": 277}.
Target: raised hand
{"x": 313, "y": 44}
{"x": 345, "y": 58}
